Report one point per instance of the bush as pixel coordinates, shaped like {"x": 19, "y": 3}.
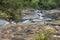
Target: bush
{"x": 44, "y": 35}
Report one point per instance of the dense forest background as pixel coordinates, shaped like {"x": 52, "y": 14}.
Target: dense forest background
{"x": 11, "y": 9}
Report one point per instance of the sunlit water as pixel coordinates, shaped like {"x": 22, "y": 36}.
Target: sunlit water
{"x": 3, "y": 23}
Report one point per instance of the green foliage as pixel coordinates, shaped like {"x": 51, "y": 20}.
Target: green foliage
{"x": 44, "y": 35}
{"x": 47, "y": 4}
{"x": 10, "y": 7}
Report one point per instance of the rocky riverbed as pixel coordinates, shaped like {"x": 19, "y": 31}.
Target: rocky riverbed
{"x": 23, "y": 31}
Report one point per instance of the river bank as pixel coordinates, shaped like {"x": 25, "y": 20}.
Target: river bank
{"x": 23, "y": 31}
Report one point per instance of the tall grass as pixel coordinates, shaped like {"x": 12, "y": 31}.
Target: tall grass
{"x": 46, "y": 35}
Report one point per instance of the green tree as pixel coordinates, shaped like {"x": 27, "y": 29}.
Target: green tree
{"x": 11, "y": 7}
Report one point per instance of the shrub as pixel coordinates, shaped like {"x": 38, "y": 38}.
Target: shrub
{"x": 44, "y": 35}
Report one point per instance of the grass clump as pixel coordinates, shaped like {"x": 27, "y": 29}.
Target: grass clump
{"x": 44, "y": 35}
